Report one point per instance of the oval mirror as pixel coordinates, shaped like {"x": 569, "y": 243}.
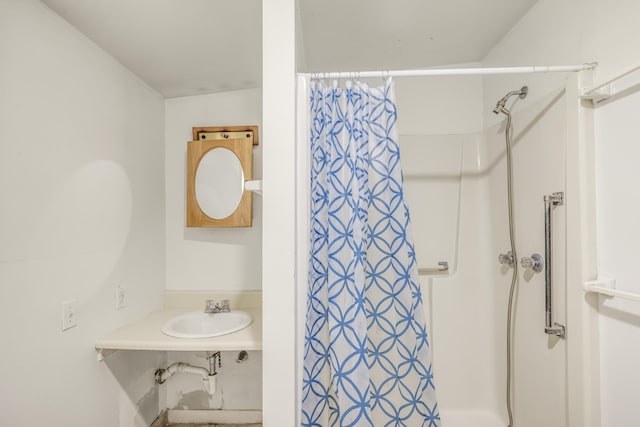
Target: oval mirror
{"x": 219, "y": 183}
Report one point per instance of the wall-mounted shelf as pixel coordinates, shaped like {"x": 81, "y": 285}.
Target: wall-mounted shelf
{"x": 146, "y": 334}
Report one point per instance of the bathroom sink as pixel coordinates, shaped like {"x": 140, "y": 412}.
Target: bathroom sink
{"x": 198, "y": 324}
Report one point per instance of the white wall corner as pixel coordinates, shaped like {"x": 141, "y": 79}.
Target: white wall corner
{"x": 278, "y": 244}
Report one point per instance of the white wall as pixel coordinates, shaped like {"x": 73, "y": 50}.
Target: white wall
{"x": 538, "y": 146}
{"x": 618, "y": 209}
{"x": 439, "y": 105}
{"x": 279, "y": 216}
{"x": 576, "y": 31}
{"x": 433, "y": 140}
{"x": 81, "y": 210}
{"x": 210, "y": 258}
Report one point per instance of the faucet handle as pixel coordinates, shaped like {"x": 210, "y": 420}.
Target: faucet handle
{"x": 211, "y": 304}
{"x": 534, "y": 262}
{"x": 224, "y": 305}
{"x": 506, "y": 259}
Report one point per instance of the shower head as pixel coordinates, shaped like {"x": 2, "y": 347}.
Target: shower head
{"x": 522, "y": 93}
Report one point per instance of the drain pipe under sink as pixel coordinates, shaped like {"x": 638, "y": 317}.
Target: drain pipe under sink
{"x": 209, "y": 376}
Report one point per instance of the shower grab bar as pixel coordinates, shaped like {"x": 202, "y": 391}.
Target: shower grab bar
{"x": 606, "y": 286}
{"x": 442, "y": 268}
{"x": 550, "y": 328}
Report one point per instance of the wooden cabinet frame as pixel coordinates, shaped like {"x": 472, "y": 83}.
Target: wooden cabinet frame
{"x": 240, "y": 140}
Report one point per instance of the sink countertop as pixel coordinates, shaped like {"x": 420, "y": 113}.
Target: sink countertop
{"x": 145, "y": 334}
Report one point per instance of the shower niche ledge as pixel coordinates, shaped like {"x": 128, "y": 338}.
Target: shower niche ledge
{"x": 146, "y": 333}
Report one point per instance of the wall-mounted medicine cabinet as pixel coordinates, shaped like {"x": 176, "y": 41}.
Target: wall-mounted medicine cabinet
{"x": 219, "y": 163}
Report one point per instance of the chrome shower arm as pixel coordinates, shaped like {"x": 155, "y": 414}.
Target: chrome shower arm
{"x": 500, "y": 105}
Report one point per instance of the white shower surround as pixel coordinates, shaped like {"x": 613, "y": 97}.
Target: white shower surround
{"x": 467, "y": 310}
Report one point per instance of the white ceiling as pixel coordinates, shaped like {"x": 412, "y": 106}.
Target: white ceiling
{"x": 178, "y": 47}
{"x": 189, "y": 47}
{"x": 346, "y": 35}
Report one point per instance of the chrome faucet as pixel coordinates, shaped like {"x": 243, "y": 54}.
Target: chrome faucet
{"x": 217, "y": 307}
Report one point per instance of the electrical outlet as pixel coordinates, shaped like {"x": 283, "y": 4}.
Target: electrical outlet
{"x": 120, "y": 297}
{"x": 69, "y": 315}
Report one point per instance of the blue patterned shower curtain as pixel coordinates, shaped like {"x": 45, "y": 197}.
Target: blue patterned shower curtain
{"x": 366, "y": 354}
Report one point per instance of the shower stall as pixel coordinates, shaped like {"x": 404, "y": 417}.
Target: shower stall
{"x": 455, "y": 180}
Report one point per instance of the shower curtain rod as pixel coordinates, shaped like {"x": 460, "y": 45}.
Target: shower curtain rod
{"x": 451, "y": 71}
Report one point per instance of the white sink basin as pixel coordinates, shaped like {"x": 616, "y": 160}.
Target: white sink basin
{"x": 206, "y": 325}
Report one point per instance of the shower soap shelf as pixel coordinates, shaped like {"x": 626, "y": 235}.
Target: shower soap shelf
{"x": 441, "y": 270}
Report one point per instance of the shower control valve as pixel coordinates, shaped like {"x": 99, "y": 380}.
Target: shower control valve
{"x": 534, "y": 262}
{"x": 506, "y": 258}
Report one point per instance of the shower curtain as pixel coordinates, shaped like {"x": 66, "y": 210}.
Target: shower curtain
{"x": 366, "y": 353}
